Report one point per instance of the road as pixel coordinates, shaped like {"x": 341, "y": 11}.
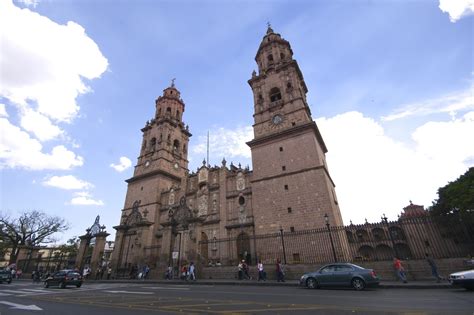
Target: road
{"x": 124, "y": 298}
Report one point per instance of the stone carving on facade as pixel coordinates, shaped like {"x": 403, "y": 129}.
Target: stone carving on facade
{"x": 135, "y": 217}
{"x": 214, "y": 203}
{"x": 242, "y": 214}
{"x": 240, "y": 182}
{"x": 203, "y": 197}
{"x": 203, "y": 175}
{"x": 171, "y": 198}
{"x": 180, "y": 216}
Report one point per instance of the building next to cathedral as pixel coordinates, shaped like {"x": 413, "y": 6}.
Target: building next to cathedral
{"x": 171, "y": 215}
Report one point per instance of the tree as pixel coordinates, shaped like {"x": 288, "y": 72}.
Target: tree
{"x": 454, "y": 208}
{"x": 29, "y": 229}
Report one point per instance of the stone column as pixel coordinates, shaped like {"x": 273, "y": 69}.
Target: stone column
{"x": 98, "y": 251}
{"x": 85, "y": 241}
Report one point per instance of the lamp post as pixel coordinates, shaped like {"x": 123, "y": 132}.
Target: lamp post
{"x": 385, "y": 221}
{"x": 283, "y": 244}
{"x": 326, "y": 218}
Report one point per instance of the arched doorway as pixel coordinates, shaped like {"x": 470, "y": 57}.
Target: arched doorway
{"x": 243, "y": 247}
{"x": 204, "y": 247}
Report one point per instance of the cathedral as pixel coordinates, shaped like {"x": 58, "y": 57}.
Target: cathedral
{"x": 171, "y": 215}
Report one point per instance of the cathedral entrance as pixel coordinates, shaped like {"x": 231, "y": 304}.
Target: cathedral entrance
{"x": 243, "y": 247}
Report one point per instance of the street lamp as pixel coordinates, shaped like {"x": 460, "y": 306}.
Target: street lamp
{"x": 283, "y": 244}
{"x": 385, "y": 221}
{"x": 326, "y": 218}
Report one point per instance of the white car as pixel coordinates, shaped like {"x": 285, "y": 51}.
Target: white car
{"x": 463, "y": 279}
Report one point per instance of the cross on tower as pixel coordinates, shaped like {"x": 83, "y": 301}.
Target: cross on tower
{"x": 172, "y": 82}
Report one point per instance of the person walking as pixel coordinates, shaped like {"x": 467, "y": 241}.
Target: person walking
{"x": 169, "y": 273}
{"x": 240, "y": 268}
{"x": 245, "y": 268}
{"x": 434, "y": 268}
{"x": 280, "y": 271}
{"x": 261, "y": 271}
{"x": 399, "y": 270}
{"x": 192, "y": 269}
{"x": 109, "y": 273}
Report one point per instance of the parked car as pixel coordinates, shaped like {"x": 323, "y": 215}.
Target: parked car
{"x": 5, "y": 276}
{"x": 340, "y": 274}
{"x": 463, "y": 279}
{"x": 64, "y": 278}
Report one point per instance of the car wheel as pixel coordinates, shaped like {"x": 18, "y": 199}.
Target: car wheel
{"x": 46, "y": 284}
{"x": 61, "y": 285}
{"x": 311, "y": 283}
{"x": 78, "y": 285}
{"x": 358, "y": 284}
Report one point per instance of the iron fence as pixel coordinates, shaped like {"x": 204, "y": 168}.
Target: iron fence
{"x": 406, "y": 238}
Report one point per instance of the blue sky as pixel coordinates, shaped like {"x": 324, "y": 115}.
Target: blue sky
{"x": 390, "y": 87}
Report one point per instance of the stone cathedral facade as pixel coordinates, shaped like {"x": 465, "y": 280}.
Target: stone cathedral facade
{"x": 170, "y": 214}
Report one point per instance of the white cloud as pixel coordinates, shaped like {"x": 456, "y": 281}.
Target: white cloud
{"x": 68, "y": 182}
{"x": 457, "y": 8}
{"x": 43, "y": 66}
{"x": 124, "y": 163}
{"x": 39, "y": 125}
{"x": 85, "y": 199}
{"x": 19, "y": 150}
{"x": 29, "y": 3}
{"x": 452, "y": 103}
{"x": 3, "y": 111}
{"x": 374, "y": 173}
{"x": 225, "y": 143}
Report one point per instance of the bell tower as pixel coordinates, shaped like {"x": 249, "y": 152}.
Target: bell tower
{"x": 291, "y": 185}
{"x": 162, "y": 164}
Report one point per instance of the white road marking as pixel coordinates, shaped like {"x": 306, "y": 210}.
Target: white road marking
{"x": 21, "y": 306}
{"x": 166, "y": 288}
{"x": 129, "y": 292}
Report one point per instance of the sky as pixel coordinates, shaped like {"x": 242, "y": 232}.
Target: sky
{"x": 391, "y": 87}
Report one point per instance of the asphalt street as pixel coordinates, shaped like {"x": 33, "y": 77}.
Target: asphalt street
{"x": 144, "y": 298}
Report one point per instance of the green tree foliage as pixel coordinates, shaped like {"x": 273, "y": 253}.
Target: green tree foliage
{"x": 454, "y": 207}
{"x": 31, "y": 228}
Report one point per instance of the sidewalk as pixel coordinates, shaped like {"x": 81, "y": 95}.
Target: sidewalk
{"x": 289, "y": 283}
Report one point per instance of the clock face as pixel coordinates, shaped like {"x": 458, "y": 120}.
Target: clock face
{"x": 176, "y": 166}
{"x": 147, "y": 163}
{"x": 277, "y": 119}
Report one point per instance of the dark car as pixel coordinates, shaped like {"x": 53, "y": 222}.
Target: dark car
{"x": 5, "y": 276}
{"x": 64, "y": 278}
{"x": 342, "y": 275}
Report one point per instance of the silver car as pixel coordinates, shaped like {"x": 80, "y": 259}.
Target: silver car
{"x": 340, "y": 274}
{"x": 463, "y": 279}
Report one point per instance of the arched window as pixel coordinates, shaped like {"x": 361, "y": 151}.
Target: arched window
{"x": 282, "y": 56}
{"x": 168, "y": 111}
{"x": 175, "y": 145}
{"x": 177, "y": 114}
{"x": 275, "y": 94}
{"x": 270, "y": 58}
{"x": 241, "y": 200}
{"x": 184, "y": 148}
{"x": 152, "y": 143}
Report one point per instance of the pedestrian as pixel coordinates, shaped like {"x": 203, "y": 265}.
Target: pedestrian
{"x": 240, "y": 269}
{"x": 145, "y": 272}
{"x": 192, "y": 270}
{"x": 109, "y": 273}
{"x": 19, "y": 272}
{"x": 434, "y": 268}
{"x": 97, "y": 273}
{"x": 280, "y": 271}
{"x": 245, "y": 268}
{"x": 261, "y": 271}
{"x": 399, "y": 270}
{"x": 169, "y": 273}
{"x": 184, "y": 273}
